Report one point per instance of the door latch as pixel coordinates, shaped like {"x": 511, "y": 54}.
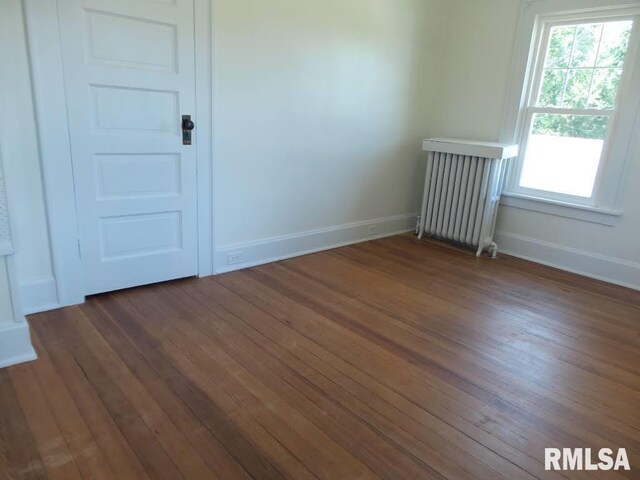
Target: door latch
{"x": 187, "y": 127}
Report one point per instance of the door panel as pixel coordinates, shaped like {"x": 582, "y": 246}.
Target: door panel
{"x": 133, "y": 235}
{"x": 121, "y": 176}
{"x": 129, "y": 77}
{"x": 131, "y": 42}
{"x": 133, "y": 110}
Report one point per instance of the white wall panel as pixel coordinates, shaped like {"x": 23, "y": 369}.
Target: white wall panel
{"x": 320, "y": 108}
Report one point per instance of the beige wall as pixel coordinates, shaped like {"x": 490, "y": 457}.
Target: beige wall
{"x": 472, "y": 100}
{"x": 319, "y": 111}
{"x": 476, "y": 64}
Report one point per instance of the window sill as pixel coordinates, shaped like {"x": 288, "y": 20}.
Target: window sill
{"x": 601, "y": 216}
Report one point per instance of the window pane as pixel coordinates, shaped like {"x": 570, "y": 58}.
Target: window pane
{"x": 583, "y": 66}
{"x": 576, "y": 94}
{"x": 615, "y": 41}
{"x": 586, "y": 44}
{"x": 605, "y": 88}
{"x": 563, "y": 153}
{"x": 552, "y": 88}
{"x": 560, "y": 43}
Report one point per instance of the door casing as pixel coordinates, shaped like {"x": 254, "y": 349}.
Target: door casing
{"x": 45, "y": 58}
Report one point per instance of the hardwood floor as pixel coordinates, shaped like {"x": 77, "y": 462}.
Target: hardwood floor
{"x": 394, "y": 359}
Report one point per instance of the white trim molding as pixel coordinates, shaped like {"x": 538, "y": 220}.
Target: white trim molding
{"x": 15, "y": 337}
{"x": 12, "y": 276}
{"x": 45, "y": 56}
{"x": 203, "y": 10}
{"x": 6, "y": 248}
{"x": 589, "y": 264}
{"x": 39, "y": 295}
{"x": 599, "y": 216}
{"x": 15, "y": 344}
{"x": 274, "y": 249}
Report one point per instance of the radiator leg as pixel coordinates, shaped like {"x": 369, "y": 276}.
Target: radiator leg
{"x": 493, "y": 249}
{"x": 420, "y": 230}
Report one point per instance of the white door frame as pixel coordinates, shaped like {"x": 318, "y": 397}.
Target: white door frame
{"x": 45, "y": 57}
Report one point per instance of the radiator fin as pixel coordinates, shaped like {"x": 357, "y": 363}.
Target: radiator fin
{"x": 461, "y": 198}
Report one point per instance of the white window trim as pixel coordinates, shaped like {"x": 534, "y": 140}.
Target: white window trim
{"x": 606, "y": 204}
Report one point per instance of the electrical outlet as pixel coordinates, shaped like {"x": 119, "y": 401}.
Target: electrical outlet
{"x": 373, "y": 230}
{"x": 235, "y": 258}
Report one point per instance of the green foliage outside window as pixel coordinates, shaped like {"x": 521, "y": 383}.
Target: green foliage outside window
{"x": 575, "y": 126}
{"x": 582, "y": 70}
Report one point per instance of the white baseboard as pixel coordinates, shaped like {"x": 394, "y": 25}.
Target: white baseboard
{"x": 15, "y": 344}
{"x": 600, "y": 267}
{"x": 288, "y": 246}
{"x": 39, "y": 295}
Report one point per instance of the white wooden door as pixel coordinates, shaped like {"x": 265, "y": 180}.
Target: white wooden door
{"x": 129, "y": 78}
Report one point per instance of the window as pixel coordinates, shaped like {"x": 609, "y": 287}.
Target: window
{"x": 577, "y": 102}
{"x": 573, "y": 105}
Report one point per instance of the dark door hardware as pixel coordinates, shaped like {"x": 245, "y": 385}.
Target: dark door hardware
{"x": 187, "y": 127}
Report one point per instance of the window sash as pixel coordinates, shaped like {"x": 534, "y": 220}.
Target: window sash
{"x": 589, "y": 112}
{"x": 526, "y": 134}
{"x": 543, "y": 32}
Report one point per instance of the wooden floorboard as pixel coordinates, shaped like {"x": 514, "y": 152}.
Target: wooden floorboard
{"x": 393, "y": 359}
